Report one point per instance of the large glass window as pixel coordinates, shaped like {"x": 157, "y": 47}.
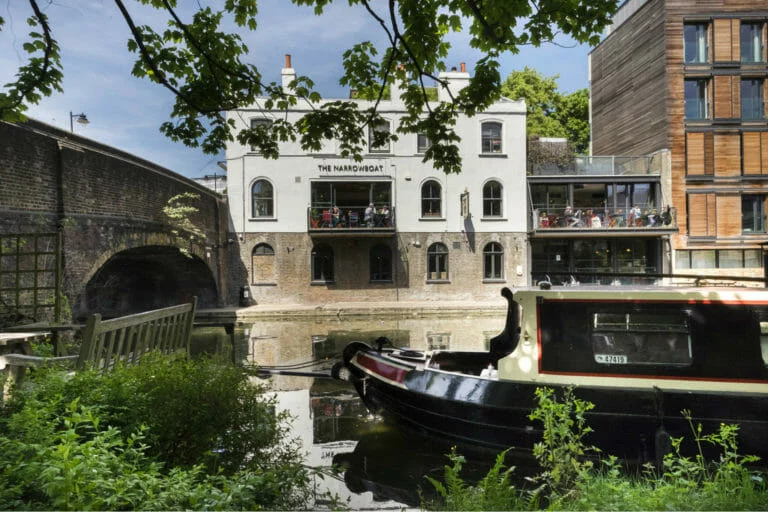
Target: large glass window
{"x": 491, "y": 135}
{"x": 723, "y": 258}
{"x": 753, "y": 214}
{"x": 751, "y": 42}
{"x": 696, "y": 43}
{"x": 263, "y": 264}
{"x": 431, "y": 202}
{"x": 492, "y": 201}
{"x": 376, "y": 143}
{"x": 493, "y": 261}
{"x": 751, "y": 98}
{"x": 381, "y": 263}
{"x": 546, "y": 197}
{"x": 322, "y": 264}
{"x": 262, "y": 194}
{"x": 696, "y": 99}
{"x": 437, "y": 262}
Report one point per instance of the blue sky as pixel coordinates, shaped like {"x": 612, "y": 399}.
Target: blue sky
{"x": 126, "y": 112}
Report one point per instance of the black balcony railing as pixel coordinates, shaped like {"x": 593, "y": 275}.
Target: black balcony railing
{"x": 572, "y": 219}
{"x": 350, "y": 219}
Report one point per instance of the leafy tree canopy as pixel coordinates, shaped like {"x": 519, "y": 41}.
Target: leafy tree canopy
{"x": 550, "y": 112}
{"x": 205, "y": 68}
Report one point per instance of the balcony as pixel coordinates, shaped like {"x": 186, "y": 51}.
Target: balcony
{"x": 351, "y": 222}
{"x": 599, "y": 221}
{"x": 646, "y": 165}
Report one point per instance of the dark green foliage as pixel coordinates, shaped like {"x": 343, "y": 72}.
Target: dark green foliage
{"x": 568, "y": 481}
{"x": 169, "y": 433}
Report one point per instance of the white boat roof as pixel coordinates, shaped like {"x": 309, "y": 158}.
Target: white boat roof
{"x": 730, "y": 294}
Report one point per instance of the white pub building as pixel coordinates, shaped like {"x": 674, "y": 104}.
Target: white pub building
{"x": 315, "y": 228}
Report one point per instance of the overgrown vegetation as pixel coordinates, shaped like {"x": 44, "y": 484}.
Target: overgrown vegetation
{"x": 170, "y": 433}
{"x": 570, "y": 481}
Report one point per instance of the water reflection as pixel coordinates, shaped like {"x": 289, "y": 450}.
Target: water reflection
{"x": 380, "y": 465}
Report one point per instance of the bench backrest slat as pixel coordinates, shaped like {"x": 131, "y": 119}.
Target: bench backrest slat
{"x": 126, "y": 339}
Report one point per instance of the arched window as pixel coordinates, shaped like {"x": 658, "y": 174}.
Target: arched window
{"x": 431, "y": 202}
{"x": 381, "y": 263}
{"x": 263, "y": 264}
{"x": 491, "y": 136}
{"x": 322, "y": 263}
{"x": 437, "y": 262}
{"x": 492, "y": 202}
{"x": 263, "y": 199}
{"x": 493, "y": 261}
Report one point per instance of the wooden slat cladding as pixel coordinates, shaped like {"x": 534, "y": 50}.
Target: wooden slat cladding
{"x": 629, "y": 86}
{"x": 728, "y": 215}
{"x": 701, "y": 214}
{"x": 727, "y": 154}
{"x": 753, "y": 149}
{"x": 727, "y": 97}
{"x": 727, "y": 40}
{"x": 699, "y": 152}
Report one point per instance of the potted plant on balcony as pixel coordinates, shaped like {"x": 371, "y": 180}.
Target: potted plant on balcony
{"x": 314, "y": 218}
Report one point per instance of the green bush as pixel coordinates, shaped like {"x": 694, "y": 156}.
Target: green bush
{"x": 569, "y": 481}
{"x": 169, "y": 433}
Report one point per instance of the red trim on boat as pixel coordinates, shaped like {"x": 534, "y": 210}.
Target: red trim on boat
{"x": 381, "y": 368}
{"x": 645, "y": 376}
{"x": 662, "y": 301}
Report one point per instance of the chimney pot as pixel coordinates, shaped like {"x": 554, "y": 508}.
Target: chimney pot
{"x": 288, "y": 60}
{"x": 463, "y": 67}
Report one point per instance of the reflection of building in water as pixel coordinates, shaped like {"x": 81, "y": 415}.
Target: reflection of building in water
{"x": 305, "y": 412}
{"x": 290, "y": 343}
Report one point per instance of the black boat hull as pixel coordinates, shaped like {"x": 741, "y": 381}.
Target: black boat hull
{"x": 495, "y": 413}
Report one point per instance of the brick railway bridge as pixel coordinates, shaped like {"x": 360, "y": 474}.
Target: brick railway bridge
{"x": 119, "y": 252}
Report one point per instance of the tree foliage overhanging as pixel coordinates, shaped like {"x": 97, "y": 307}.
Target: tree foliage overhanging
{"x": 550, "y": 113}
{"x": 206, "y": 68}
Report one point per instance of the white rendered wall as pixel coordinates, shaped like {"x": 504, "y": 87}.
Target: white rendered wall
{"x": 293, "y": 172}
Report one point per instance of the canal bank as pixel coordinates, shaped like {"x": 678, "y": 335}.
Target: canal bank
{"x": 350, "y": 310}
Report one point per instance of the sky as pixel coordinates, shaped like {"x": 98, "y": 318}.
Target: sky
{"x": 126, "y": 112}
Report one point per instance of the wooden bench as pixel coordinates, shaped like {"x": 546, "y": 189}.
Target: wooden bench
{"x": 119, "y": 340}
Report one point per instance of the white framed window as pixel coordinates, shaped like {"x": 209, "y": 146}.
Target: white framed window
{"x": 492, "y": 199}
{"x": 422, "y": 143}
{"x": 437, "y": 262}
{"x": 491, "y": 137}
{"x": 263, "y": 199}
{"x": 493, "y": 261}
{"x": 382, "y": 127}
{"x": 322, "y": 264}
{"x": 256, "y": 122}
{"x": 431, "y": 199}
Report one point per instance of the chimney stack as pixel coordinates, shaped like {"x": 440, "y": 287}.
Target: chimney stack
{"x": 456, "y": 81}
{"x": 288, "y": 74}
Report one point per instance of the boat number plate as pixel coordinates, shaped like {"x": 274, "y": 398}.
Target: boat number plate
{"x": 610, "y": 359}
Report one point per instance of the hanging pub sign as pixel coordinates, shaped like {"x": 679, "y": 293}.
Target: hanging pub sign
{"x": 465, "y": 204}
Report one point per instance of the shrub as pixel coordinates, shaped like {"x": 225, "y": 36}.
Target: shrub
{"x": 168, "y": 433}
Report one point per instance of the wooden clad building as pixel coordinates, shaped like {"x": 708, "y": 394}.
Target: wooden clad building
{"x": 692, "y": 77}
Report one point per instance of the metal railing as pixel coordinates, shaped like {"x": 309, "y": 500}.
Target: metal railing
{"x": 351, "y": 218}
{"x": 646, "y": 165}
{"x": 599, "y": 217}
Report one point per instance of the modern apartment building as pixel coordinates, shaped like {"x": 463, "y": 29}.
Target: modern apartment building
{"x": 692, "y": 77}
{"x": 446, "y": 237}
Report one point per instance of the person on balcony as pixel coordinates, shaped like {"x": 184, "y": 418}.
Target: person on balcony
{"x": 634, "y": 214}
{"x": 335, "y": 216}
{"x": 384, "y": 212}
{"x": 368, "y": 217}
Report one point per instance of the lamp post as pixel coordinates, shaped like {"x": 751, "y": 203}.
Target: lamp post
{"x": 81, "y": 119}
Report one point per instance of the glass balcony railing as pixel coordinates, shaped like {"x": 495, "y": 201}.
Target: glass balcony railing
{"x": 646, "y": 165}
{"x": 584, "y": 219}
{"x": 350, "y": 219}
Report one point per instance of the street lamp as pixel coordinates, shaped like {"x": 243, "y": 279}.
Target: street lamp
{"x": 81, "y": 119}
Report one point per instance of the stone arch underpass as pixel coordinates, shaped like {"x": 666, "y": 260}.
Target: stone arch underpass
{"x": 148, "y": 277}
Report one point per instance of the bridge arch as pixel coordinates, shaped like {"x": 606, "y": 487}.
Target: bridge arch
{"x": 147, "y": 277}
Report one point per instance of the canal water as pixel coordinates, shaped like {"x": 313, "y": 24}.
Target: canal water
{"x": 368, "y": 462}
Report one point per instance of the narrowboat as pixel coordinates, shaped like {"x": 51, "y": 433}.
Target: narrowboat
{"x": 640, "y": 355}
